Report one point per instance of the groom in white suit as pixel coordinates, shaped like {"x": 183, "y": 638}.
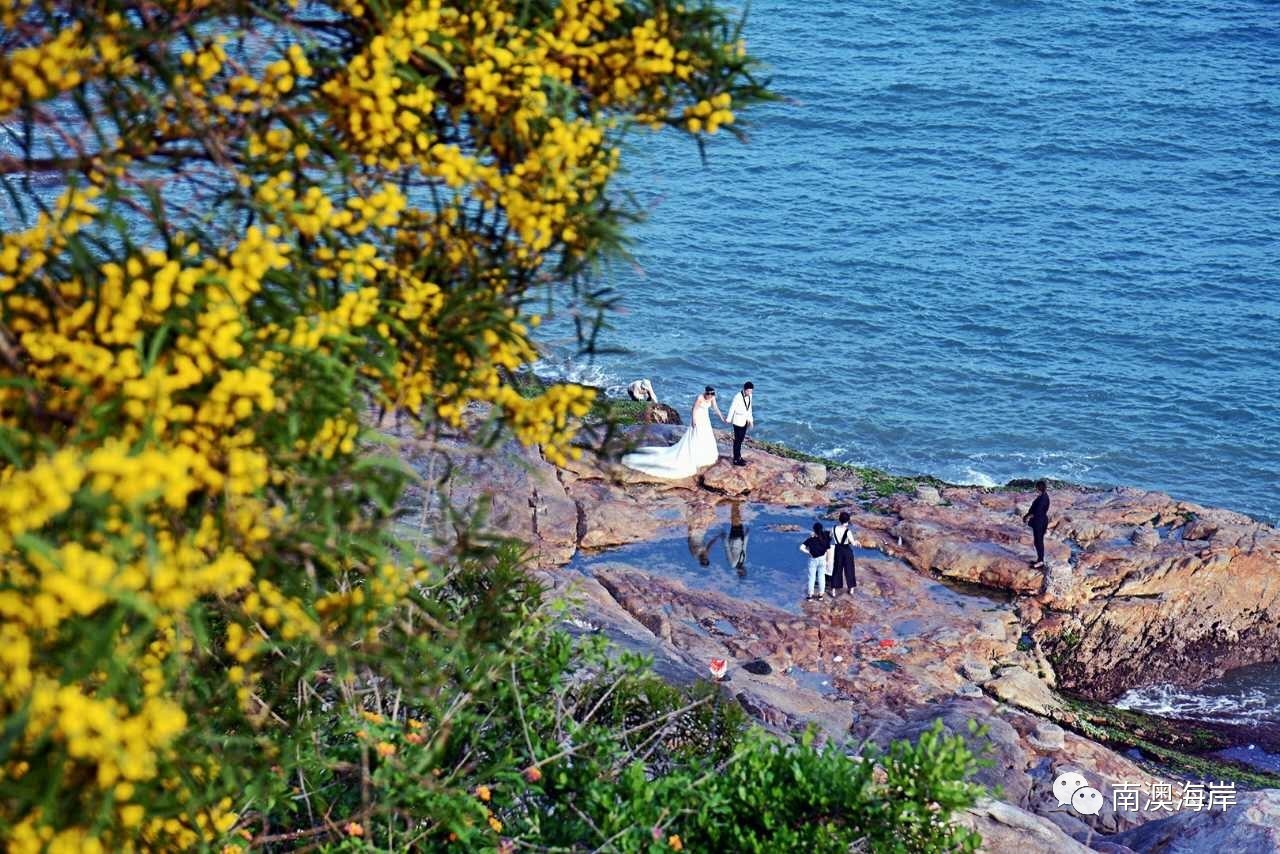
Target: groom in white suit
{"x": 741, "y": 417}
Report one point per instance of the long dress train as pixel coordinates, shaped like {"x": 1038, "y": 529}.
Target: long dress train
{"x": 696, "y": 449}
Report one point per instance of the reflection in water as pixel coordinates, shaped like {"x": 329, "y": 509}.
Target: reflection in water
{"x": 700, "y": 546}
{"x": 735, "y": 546}
{"x": 700, "y": 541}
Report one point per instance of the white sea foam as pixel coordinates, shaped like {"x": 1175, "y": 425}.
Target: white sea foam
{"x": 561, "y": 369}
{"x": 970, "y": 476}
{"x": 1245, "y": 706}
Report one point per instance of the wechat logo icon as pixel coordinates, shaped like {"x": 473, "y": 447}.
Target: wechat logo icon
{"x": 1073, "y": 790}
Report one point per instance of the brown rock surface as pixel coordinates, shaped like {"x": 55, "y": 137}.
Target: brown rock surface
{"x": 660, "y": 413}
{"x": 1142, "y": 589}
{"x": 1179, "y": 611}
{"x": 768, "y": 479}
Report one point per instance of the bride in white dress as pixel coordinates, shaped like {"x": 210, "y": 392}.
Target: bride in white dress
{"x": 696, "y": 449}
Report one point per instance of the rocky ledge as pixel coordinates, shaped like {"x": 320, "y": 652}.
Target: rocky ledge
{"x": 1142, "y": 589}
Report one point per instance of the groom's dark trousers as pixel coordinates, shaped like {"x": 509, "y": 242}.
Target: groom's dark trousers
{"x": 739, "y": 433}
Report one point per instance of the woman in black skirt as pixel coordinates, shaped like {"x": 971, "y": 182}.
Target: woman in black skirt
{"x": 843, "y": 539}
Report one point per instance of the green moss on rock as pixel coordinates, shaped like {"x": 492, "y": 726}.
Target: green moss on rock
{"x": 1176, "y": 746}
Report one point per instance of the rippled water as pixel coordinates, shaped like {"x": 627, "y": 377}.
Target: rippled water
{"x": 986, "y": 240}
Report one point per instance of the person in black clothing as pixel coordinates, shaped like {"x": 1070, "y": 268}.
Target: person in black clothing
{"x": 1038, "y": 518}
{"x": 816, "y": 547}
{"x": 842, "y": 575}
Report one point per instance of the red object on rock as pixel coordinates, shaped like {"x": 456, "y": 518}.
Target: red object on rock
{"x": 885, "y": 643}
{"x": 719, "y": 667}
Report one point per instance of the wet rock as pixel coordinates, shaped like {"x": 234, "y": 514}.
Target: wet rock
{"x": 813, "y": 474}
{"x": 959, "y": 543}
{"x": 1199, "y": 529}
{"x": 1082, "y": 528}
{"x": 611, "y": 517}
{"x": 523, "y": 498}
{"x": 999, "y": 743}
{"x": 1104, "y": 769}
{"x": 1167, "y": 615}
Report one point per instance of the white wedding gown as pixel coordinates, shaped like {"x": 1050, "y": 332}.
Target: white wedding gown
{"x": 696, "y": 449}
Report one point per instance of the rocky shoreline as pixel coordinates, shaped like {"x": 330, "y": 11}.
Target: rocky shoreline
{"x": 1142, "y": 589}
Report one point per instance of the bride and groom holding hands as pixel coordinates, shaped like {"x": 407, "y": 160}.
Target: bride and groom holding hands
{"x": 697, "y": 449}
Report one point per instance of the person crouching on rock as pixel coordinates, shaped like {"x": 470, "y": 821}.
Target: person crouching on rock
{"x": 1038, "y": 518}
{"x": 816, "y": 547}
{"x": 642, "y": 390}
{"x": 842, "y": 572}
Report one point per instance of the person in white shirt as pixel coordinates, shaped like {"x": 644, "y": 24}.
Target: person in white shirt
{"x": 741, "y": 417}
{"x": 642, "y": 390}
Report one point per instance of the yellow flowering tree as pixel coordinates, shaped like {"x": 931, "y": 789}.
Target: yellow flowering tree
{"x": 229, "y": 226}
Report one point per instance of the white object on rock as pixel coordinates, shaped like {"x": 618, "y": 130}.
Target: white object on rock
{"x": 642, "y": 390}
{"x": 928, "y": 494}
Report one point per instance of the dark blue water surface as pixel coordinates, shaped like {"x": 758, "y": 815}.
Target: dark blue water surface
{"x": 985, "y": 240}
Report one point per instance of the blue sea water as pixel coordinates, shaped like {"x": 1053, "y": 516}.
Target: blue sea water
{"x": 984, "y": 241}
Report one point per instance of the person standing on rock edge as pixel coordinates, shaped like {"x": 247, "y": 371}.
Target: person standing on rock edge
{"x": 842, "y": 574}
{"x": 816, "y": 548}
{"x": 1038, "y": 518}
{"x": 741, "y": 417}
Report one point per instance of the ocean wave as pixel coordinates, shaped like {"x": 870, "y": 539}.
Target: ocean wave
{"x": 1247, "y": 706}
{"x": 562, "y": 369}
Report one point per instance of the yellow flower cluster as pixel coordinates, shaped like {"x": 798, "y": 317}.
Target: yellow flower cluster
{"x": 336, "y": 435}
{"x": 24, "y": 253}
{"x": 37, "y": 72}
{"x": 709, "y": 114}
{"x": 180, "y": 403}
{"x": 569, "y": 166}
{"x": 385, "y": 113}
{"x": 29, "y": 499}
{"x": 236, "y": 94}
{"x": 549, "y": 419}
{"x": 59, "y": 64}
{"x": 121, "y": 746}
